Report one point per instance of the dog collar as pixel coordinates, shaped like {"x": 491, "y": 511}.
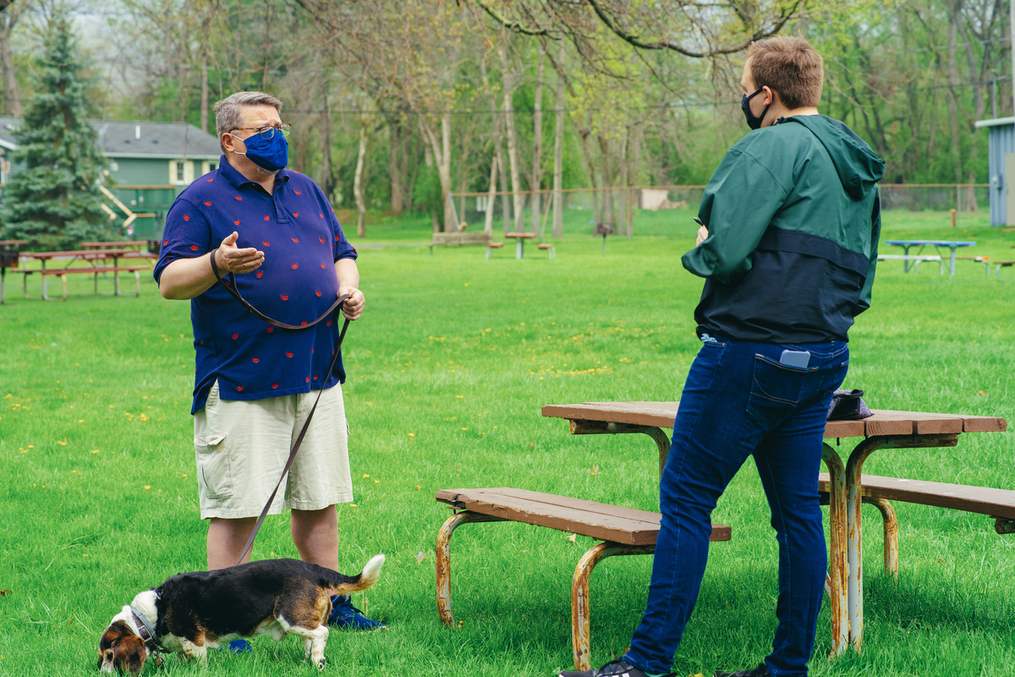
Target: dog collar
{"x": 145, "y": 630}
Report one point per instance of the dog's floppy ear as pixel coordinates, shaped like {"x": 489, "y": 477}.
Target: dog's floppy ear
{"x": 129, "y": 654}
{"x": 120, "y": 649}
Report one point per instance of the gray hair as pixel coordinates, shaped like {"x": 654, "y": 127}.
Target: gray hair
{"x": 229, "y": 111}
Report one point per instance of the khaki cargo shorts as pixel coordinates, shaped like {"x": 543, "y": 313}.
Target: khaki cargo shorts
{"x": 242, "y": 447}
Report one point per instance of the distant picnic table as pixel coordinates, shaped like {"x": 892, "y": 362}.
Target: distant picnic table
{"x": 94, "y": 258}
{"x": 952, "y": 245}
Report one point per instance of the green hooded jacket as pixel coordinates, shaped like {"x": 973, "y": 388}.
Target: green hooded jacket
{"x": 794, "y": 219}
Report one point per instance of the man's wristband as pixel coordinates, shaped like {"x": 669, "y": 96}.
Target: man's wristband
{"x": 214, "y": 266}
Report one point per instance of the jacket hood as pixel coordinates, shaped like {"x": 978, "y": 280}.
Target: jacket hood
{"x": 858, "y": 166}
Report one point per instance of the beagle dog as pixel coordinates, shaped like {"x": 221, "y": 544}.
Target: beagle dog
{"x": 190, "y": 613}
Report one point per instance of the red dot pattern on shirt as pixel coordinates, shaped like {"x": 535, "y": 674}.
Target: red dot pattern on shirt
{"x": 236, "y": 222}
{"x": 297, "y": 192}
{"x": 207, "y": 204}
{"x": 193, "y": 247}
{"x": 266, "y": 244}
{"x": 322, "y": 240}
{"x": 295, "y": 266}
{"x": 288, "y": 354}
{"x": 322, "y": 265}
{"x": 236, "y": 336}
{"x": 267, "y": 218}
{"x": 284, "y": 297}
{"x": 256, "y": 360}
{"x": 238, "y": 197}
{"x": 296, "y": 214}
{"x": 259, "y": 274}
{"x": 186, "y": 217}
{"x": 318, "y": 293}
{"x": 239, "y": 389}
{"x": 274, "y": 385}
{"x": 296, "y": 240}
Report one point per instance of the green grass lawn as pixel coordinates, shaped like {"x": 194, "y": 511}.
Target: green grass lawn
{"x": 448, "y": 369}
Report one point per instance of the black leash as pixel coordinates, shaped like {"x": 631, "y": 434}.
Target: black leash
{"x": 230, "y": 286}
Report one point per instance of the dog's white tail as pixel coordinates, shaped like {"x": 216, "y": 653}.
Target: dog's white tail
{"x": 371, "y": 572}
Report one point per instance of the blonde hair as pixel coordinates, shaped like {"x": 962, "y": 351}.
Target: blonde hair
{"x": 790, "y": 66}
{"x": 229, "y": 111}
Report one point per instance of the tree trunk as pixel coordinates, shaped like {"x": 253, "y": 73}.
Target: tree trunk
{"x": 327, "y": 173}
{"x": 428, "y": 160}
{"x": 608, "y": 213}
{"x": 205, "y": 34}
{"x": 558, "y": 156}
{"x": 491, "y": 198}
{"x": 463, "y": 185}
{"x": 596, "y": 212}
{"x": 953, "y": 81}
{"x": 512, "y": 139}
{"x": 442, "y": 157}
{"x": 7, "y": 21}
{"x": 537, "y": 149}
{"x": 394, "y": 170}
{"x": 357, "y": 185}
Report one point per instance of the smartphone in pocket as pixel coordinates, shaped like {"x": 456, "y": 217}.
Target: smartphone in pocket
{"x": 795, "y": 358}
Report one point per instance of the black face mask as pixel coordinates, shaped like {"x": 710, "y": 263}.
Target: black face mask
{"x": 753, "y": 121}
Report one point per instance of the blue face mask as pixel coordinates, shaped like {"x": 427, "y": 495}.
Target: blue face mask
{"x": 271, "y": 154}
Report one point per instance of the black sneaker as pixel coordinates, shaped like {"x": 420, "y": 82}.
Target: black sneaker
{"x": 760, "y": 671}
{"x": 615, "y": 668}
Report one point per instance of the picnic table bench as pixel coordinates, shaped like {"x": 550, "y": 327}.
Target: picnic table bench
{"x": 845, "y": 484}
{"x": 622, "y": 531}
{"x": 916, "y": 258}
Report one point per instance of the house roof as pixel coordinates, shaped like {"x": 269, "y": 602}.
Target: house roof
{"x": 996, "y": 122}
{"x": 130, "y": 138}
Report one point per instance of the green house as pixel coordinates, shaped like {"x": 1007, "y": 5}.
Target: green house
{"x": 150, "y": 163}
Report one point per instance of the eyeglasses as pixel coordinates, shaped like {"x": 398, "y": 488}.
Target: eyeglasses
{"x": 269, "y": 131}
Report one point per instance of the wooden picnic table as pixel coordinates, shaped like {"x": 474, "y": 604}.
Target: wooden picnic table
{"x": 884, "y": 430}
{"x": 520, "y": 246}
{"x": 91, "y": 256}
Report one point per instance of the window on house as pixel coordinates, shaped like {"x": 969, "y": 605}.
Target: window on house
{"x": 180, "y": 168}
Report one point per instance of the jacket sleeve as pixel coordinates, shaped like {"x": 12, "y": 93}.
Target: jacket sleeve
{"x": 865, "y": 294}
{"x": 739, "y": 202}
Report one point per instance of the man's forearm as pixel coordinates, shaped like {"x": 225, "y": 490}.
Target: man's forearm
{"x": 348, "y": 274}
{"x": 187, "y": 278}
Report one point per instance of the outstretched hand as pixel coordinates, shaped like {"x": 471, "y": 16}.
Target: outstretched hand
{"x": 231, "y": 259}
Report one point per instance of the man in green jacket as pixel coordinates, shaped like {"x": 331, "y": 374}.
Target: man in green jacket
{"x": 790, "y": 222}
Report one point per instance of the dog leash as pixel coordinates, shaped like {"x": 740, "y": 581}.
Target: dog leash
{"x": 230, "y": 286}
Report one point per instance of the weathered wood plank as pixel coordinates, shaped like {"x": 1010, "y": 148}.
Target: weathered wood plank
{"x": 967, "y": 498}
{"x": 602, "y": 521}
{"x": 883, "y": 422}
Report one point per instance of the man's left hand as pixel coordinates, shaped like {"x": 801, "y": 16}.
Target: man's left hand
{"x": 353, "y": 306}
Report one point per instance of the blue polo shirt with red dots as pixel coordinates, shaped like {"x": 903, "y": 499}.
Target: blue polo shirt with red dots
{"x": 301, "y": 238}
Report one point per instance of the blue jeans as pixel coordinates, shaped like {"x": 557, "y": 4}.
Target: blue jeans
{"x": 740, "y": 401}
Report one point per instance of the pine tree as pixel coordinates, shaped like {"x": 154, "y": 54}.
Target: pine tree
{"x": 54, "y": 202}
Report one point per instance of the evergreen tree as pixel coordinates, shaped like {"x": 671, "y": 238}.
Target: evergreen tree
{"x": 55, "y": 202}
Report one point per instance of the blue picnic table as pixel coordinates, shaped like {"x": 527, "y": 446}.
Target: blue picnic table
{"x": 953, "y": 245}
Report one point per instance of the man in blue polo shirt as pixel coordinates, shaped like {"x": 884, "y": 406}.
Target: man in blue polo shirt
{"x": 276, "y": 232}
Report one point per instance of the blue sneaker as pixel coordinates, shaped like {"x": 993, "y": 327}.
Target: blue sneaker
{"x": 345, "y": 615}
{"x": 237, "y": 646}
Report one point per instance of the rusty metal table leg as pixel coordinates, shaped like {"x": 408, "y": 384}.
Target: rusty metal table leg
{"x": 838, "y": 558}
{"x": 891, "y": 534}
{"x": 444, "y": 559}
{"x": 580, "y": 637}
{"x": 854, "y": 500}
